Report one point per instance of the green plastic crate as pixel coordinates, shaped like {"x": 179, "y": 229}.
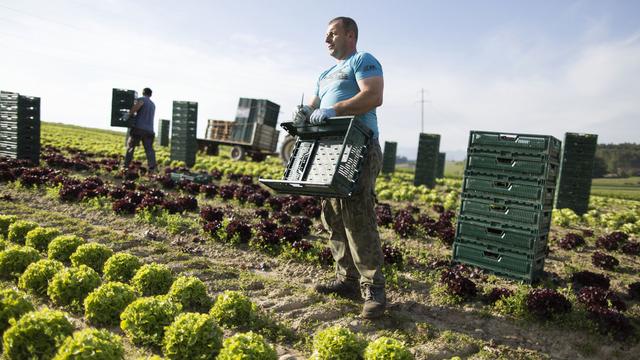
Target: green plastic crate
{"x": 501, "y": 237}
{"x": 522, "y": 166}
{"x": 506, "y": 211}
{"x": 514, "y": 189}
{"x": 427, "y": 160}
{"x": 389, "y": 157}
{"x": 527, "y": 268}
{"x": 514, "y": 143}
{"x": 163, "y": 129}
{"x": 442, "y": 157}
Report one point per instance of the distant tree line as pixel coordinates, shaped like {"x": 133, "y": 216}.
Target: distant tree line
{"x": 621, "y": 160}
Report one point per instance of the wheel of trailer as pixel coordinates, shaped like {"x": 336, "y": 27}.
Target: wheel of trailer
{"x": 287, "y": 148}
{"x": 238, "y": 153}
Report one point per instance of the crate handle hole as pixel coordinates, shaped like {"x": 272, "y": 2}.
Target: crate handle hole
{"x": 491, "y": 255}
{"x": 503, "y": 160}
{"x": 495, "y": 207}
{"x": 508, "y": 137}
{"x": 494, "y": 231}
{"x": 501, "y": 184}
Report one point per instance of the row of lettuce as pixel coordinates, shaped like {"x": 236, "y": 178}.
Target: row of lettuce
{"x": 152, "y": 306}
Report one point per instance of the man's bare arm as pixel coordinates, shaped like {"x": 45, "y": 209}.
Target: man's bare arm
{"x": 136, "y": 106}
{"x": 315, "y": 102}
{"x": 369, "y": 97}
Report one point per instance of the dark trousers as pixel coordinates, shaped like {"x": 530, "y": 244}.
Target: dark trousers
{"x": 353, "y": 231}
{"x": 135, "y": 136}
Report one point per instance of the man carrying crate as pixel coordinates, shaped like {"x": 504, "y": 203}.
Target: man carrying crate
{"x": 142, "y": 112}
{"x": 353, "y": 86}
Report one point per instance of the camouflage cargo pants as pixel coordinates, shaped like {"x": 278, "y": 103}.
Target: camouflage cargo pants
{"x": 353, "y": 230}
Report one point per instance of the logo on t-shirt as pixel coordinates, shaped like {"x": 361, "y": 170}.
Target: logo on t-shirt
{"x": 370, "y": 67}
{"x": 338, "y": 75}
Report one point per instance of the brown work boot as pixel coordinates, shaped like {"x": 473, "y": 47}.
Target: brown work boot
{"x": 375, "y": 301}
{"x": 345, "y": 288}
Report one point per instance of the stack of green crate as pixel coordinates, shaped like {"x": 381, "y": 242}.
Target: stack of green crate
{"x": 442, "y": 158}
{"x": 163, "y": 129}
{"x": 19, "y": 126}
{"x": 576, "y": 167}
{"x": 506, "y": 203}
{"x": 184, "y": 145}
{"x": 427, "y": 160}
{"x": 389, "y": 157}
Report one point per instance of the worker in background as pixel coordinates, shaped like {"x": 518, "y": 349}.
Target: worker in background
{"x": 353, "y": 86}
{"x": 142, "y": 113}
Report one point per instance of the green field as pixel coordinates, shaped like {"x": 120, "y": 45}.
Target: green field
{"x": 625, "y": 188}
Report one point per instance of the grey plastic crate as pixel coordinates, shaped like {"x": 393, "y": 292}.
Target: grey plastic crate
{"x": 121, "y": 102}
{"x": 326, "y": 160}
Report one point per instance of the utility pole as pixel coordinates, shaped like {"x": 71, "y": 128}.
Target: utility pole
{"x": 422, "y": 112}
{"x": 422, "y": 101}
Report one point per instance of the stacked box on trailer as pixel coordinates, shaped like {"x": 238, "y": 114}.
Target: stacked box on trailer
{"x": 576, "y": 168}
{"x": 506, "y": 203}
{"x": 250, "y": 112}
{"x": 20, "y": 126}
{"x": 184, "y": 145}
{"x": 389, "y": 157}
{"x": 427, "y": 160}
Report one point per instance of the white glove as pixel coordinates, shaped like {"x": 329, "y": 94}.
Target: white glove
{"x": 320, "y": 115}
{"x": 301, "y": 114}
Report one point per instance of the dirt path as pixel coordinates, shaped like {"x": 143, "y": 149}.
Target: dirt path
{"x": 284, "y": 289}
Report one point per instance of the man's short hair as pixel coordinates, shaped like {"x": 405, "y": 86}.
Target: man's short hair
{"x": 146, "y": 92}
{"x": 348, "y": 24}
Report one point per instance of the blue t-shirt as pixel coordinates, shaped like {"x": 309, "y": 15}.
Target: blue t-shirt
{"x": 144, "y": 117}
{"x": 340, "y": 83}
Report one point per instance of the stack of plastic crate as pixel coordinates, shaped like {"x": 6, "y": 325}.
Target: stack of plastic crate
{"x": 427, "y": 160}
{"x": 251, "y": 112}
{"x": 576, "y": 167}
{"x": 506, "y": 203}
{"x": 389, "y": 157}
{"x": 442, "y": 158}
{"x": 163, "y": 129}
{"x": 184, "y": 145}
{"x": 19, "y": 126}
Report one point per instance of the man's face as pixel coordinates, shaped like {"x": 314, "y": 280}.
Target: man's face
{"x": 337, "y": 40}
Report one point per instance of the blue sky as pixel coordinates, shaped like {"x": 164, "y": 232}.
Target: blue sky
{"x": 544, "y": 67}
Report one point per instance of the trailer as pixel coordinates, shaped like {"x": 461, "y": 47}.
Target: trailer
{"x": 253, "y": 139}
